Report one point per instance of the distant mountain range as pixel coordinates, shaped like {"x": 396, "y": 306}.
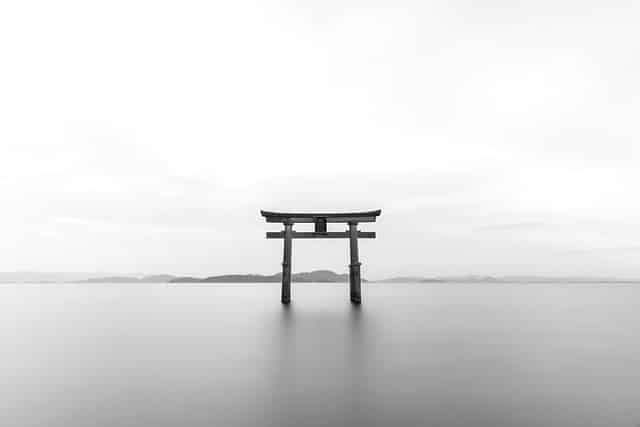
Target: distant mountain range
{"x": 322, "y": 276}
{"x": 317, "y": 276}
{"x": 506, "y": 279}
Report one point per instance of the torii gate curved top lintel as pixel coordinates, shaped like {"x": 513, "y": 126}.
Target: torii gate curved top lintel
{"x": 320, "y": 221}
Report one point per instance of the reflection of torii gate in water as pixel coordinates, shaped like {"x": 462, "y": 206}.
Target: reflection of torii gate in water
{"x": 320, "y": 232}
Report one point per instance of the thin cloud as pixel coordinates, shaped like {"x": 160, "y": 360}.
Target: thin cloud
{"x": 512, "y": 226}
{"x": 614, "y": 249}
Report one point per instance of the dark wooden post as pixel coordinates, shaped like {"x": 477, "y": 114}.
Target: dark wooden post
{"x": 354, "y": 267}
{"x": 286, "y": 264}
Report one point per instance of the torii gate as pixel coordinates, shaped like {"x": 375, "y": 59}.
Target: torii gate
{"x": 320, "y": 232}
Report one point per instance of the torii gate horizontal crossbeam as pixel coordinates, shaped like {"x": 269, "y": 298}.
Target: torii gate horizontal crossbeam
{"x": 313, "y": 235}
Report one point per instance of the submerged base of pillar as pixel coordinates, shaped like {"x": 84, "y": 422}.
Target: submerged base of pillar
{"x": 285, "y": 296}
{"x": 354, "y": 283}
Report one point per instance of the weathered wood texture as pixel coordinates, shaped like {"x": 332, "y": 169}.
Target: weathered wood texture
{"x": 354, "y": 266}
{"x": 286, "y": 265}
{"x": 314, "y": 235}
{"x": 303, "y": 220}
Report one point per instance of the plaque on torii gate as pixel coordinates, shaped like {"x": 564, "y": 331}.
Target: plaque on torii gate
{"x": 320, "y": 221}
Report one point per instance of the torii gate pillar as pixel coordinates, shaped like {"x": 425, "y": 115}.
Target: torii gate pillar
{"x": 354, "y": 267}
{"x": 320, "y": 232}
{"x": 286, "y": 264}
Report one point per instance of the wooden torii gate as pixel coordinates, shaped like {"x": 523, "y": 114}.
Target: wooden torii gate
{"x": 320, "y": 221}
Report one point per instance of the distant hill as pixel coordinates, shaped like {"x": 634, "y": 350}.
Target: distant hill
{"x": 78, "y": 277}
{"x": 46, "y": 277}
{"x": 186, "y": 279}
{"x": 157, "y": 278}
{"x": 326, "y": 276}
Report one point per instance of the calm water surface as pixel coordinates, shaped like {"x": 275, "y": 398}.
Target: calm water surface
{"x": 231, "y": 355}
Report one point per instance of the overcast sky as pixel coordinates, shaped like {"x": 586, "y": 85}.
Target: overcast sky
{"x": 498, "y": 137}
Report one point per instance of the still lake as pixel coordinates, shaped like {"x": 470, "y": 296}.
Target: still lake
{"x": 230, "y": 355}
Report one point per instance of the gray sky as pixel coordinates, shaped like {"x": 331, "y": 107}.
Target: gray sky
{"x": 498, "y": 137}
